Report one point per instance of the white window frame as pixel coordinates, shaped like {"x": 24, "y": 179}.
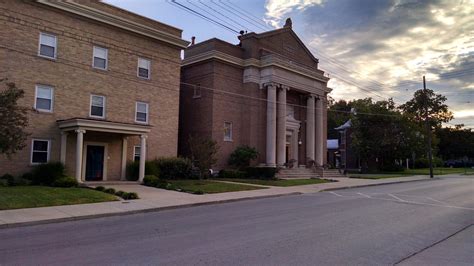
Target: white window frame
{"x": 90, "y": 106}
{"x": 149, "y": 68}
{"x": 48, "y": 152}
{"x": 106, "y": 57}
{"x": 147, "y": 112}
{"x": 55, "y": 45}
{"x": 52, "y": 97}
{"x": 134, "y": 152}
{"x": 231, "y": 133}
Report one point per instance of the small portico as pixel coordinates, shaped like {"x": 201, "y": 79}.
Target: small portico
{"x": 91, "y": 155}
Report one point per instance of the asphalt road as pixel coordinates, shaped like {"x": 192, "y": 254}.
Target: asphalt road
{"x": 417, "y": 223}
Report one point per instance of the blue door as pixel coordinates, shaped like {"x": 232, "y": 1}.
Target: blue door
{"x": 95, "y": 163}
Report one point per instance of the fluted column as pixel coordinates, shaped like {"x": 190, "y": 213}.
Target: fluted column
{"x": 271, "y": 125}
{"x": 310, "y": 128}
{"x": 281, "y": 126}
{"x": 79, "y": 144}
{"x": 319, "y": 132}
{"x": 63, "y": 147}
{"x": 141, "y": 170}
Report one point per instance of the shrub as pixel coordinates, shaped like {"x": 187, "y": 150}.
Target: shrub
{"x": 424, "y": 162}
{"x": 392, "y": 168}
{"x": 110, "y": 191}
{"x": 8, "y": 178}
{"x": 174, "y": 168}
{"x": 130, "y": 196}
{"x": 150, "y": 180}
{"x": 99, "y": 188}
{"x": 3, "y": 183}
{"x": 203, "y": 152}
{"x": 261, "y": 172}
{"x": 27, "y": 176}
{"x": 46, "y": 174}
{"x": 120, "y": 193}
{"x": 232, "y": 174}
{"x": 133, "y": 169}
{"x": 242, "y": 156}
{"x": 65, "y": 181}
{"x": 20, "y": 181}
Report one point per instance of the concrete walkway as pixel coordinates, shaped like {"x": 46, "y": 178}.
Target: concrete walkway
{"x": 153, "y": 199}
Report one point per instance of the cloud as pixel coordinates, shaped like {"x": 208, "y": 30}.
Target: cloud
{"x": 385, "y": 47}
{"x": 277, "y": 9}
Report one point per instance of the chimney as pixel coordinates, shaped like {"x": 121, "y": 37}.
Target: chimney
{"x": 193, "y": 40}
{"x": 288, "y": 23}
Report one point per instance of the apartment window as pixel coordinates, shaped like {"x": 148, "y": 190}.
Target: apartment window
{"x": 39, "y": 151}
{"x": 141, "y": 114}
{"x": 144, "y": 68}
{"x": 100, "y": 57}
{"x": 47, "y": 45}
{"x": 44, "y": 98}
{"x": 97, "y": 106}
{"x": 227, "y": 131}
{"x": 197, "y": 91}
{"x": 136, "y": 153}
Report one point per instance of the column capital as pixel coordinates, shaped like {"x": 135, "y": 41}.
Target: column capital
{"x": 143, "y": 136}
{"x": 82, "y": 131}
{"x": 270, "y": 85}
{"x": 64, "y": 133}
{"x": 284, "y": 87}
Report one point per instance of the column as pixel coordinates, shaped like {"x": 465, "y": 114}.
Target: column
{"x": 310, "y": 128}
{"x": 271, "y": 125}
{"x": 281, "y": 127}
{"x": 124, "y": 158}
{"x": 294, "y": 145}
{"x": 79, "y": 146}
{"x": 319, "y": 132}
{"x": 63, "y": 147}
{"x": 141, "y": 171}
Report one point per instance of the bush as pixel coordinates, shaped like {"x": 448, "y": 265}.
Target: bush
{"x": 110, "y": 191}
{"x": 65, "y": 181}
{"x": 130, "y": 196}
{"x": 392, "y": 168}
{"x": 235, "y": 174}
{"x": 27, "y": 176}
{"x": 424, "y": 162}
{"x": 120, "y": 193}
{"x": 8, "y": 178}
{"x": 150, "y": 180}
{"x": 174, "y": 168}
{"x": 3, "y": 183}
{"x": 20, "y": 181}
{"x": 99, "y": 188}
{"x": 242, "y": 156}
{"x": 46, "y": 174}
{"x": 261, "y": 172}
{"x": 133, "y": 169}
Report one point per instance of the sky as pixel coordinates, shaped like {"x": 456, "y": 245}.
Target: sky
{"x": 369, "y": 48}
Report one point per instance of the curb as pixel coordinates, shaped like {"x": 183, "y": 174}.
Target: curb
{"x": 381, "y": 184}
{"x": 155, "y": 209}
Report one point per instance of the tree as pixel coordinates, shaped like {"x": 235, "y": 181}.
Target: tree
{"x": 203, "y": 153}
{"x": 242, "y": 156}
{"x": 338, "y": 114}
{"x": 455, "y": 142}
{"x": 13, "y": 120}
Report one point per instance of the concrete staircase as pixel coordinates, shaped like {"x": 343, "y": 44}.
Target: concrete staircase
{"x": 305, "y": 173}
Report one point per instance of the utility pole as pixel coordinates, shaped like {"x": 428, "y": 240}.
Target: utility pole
{"x": 428, "y": 128}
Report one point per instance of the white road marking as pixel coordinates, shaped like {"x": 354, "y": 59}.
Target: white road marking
{"x": 364, "y": 195}
{"x": 395, "y": 197}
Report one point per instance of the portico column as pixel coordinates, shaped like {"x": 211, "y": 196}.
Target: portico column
{"x": 63, "y": 147}
{"x": 271, "y": 125}
{"x": 281, "y": 127}
{"x": 319, "y": 132}
{"x": 310, "y": 128}
{"x": 294, "y": 145}
{"x": 141, "y": 171}
{"x": 79, "y": 144}
{"x": 124, "y": 158}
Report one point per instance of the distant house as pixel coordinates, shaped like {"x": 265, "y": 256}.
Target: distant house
{"x": 334, "y": 156}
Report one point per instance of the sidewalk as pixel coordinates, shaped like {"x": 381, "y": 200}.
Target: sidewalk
{"x": 154, "y": 199}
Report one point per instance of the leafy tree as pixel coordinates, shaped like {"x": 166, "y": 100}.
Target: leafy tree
{"x": 13, "y": 120}
{"x": 338, "y": 114}
{"x": 455, "y": 142}
{"x": 203, "y": 153}
{"x": 242, "y": 156}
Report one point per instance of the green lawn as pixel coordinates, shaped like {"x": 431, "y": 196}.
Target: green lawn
{"x": 208, "y": 186}
{"x": 37, "y": 196}
{"x": 409, "y": 172}
{"x": 375, "y": 176}
{"x": 279, "y": 182}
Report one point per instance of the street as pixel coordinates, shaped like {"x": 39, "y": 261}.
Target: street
{"x": 414, "y": 223}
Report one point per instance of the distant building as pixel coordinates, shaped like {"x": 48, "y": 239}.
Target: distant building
{"x": 103, "y": 83}
{"x": 348, "y": 158}
{"x": 283, "y": 111}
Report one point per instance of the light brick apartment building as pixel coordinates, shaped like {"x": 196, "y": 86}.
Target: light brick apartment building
{"x": 103, "y": 85}
{"x": 267, "y": 92}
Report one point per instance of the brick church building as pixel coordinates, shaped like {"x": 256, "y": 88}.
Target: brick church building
{"x": 265, "y": 92}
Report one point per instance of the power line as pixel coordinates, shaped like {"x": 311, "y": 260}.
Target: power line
{"x": 219, "y": 13}
{"x": 235, "y": 12}
{"x": 207, "y": 12}
{"x": 250, "y": 15}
